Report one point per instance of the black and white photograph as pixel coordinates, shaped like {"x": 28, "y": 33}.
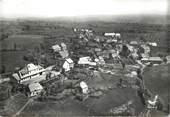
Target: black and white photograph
{"x": 67, "y": 58}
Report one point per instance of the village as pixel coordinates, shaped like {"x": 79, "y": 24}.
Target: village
{"x": 79, "y": 65}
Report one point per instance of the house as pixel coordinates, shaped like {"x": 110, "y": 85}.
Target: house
{"x": 168, "y": 59}
{"x": 56, "y": 48}
{"x": 110, "y": 34}
{"x": 153, "y": 44}
{"x": 152, "y": 104}
{"x": 100, "y": 38}
{"x": 30, "y": 74}
{"x": 155, "y": 60}
{"x": 61, "y": 49}
{"x": 86, "y": 61}
{"x": 100, "y": 60}
{"x": 146, "y": 48}
{"x": 64, "y": 46}
{"x": 64, "y": 53}
{"x": 112, "y": 40}
{"x": 84, "y": 87}
{"x": 131, "y": 48}
{"x": 35, "y": 89}
{"x": 68, "y": 64}
{"x": 134, "y": 43}
{"x": 117, "y": 35}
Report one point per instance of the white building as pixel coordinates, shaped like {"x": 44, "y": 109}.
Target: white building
{"x": 117, "y": 35}
{"x": 84, "y": 87}
{"x": 110, "y": 34}
{"x": 68, "y": 64}
{"x": 168, "y": 59}
{"x": 156, "y": 60}
{"x": 86, "y": 61}
{"x": 35, "y": 89}
{"x": 30, "y": 74}
{"x": 153, "y": 44}
{"x": 56, "y": 48}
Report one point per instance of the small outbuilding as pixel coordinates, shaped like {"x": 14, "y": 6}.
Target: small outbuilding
{"x": 35, "y": 89}
{"x": 84, "y": 87}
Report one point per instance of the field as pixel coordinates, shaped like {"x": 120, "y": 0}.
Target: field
{"x": 157, "y": 80}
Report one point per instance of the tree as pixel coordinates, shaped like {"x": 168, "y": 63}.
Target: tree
{"x": 15, "y": 46}
{"x": 3, "y": 69}
{"x": 142, "y": 39}
{"x": 37, "y": 56}
{"x": 3, "y": 36}
{"x": 125, "y": 51}
{"x": 33, "y": 55}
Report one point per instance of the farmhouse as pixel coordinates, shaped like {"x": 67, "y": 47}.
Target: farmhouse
{"x": 35, "y": 89}
{"x": 153, "y": 44}
{"x": 86, "y": 61}
{"x": 156, "y": 60}
{"x": 68, "y": 64}
{"x": 110, "y": 34}
{"x": 168, "y": 59}
{"x": 117, "y": 35}
{"x": 30, "y": 74}
{"x": 84, "y": 87}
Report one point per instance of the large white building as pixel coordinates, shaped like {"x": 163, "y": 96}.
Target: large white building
{"x": 30, "y": 74}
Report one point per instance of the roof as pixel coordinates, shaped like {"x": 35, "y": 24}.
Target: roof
{"x": 134, "y": 43}
{"x": 109, "y": 34}
{"x": 86, "y": 60}
{"x": 15, "y": 75}
{"x": 153, "y": 44}
{"x": 64, "y": 53}
{"x": 56, "y": 48}
{"x": 69, "y": 60}
{"x": 152, "y": 59}
{"x": 67, "y": 64}
{"x": 100, "y": 38}
{"x": 168, "y": 57}
{"x": 34, "y": 87}
{"x": 31, "y": 69}
{"x": 83, "y": 85}
{"x": 64, "y": 46}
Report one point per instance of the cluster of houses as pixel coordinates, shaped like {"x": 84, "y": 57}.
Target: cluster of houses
{"x": 98, "y": 51}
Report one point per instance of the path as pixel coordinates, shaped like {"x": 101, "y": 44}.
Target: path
{"x": 20, "y": 110}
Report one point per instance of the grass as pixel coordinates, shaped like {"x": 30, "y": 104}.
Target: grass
{"x": 20, "y": 41}
{"x": 157, "y": 80}
{"x": 12, "y": 59}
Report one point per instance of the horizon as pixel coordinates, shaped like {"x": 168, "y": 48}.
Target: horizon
{"x": 143, "y": 19}
{"x": 12, "y": 9}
